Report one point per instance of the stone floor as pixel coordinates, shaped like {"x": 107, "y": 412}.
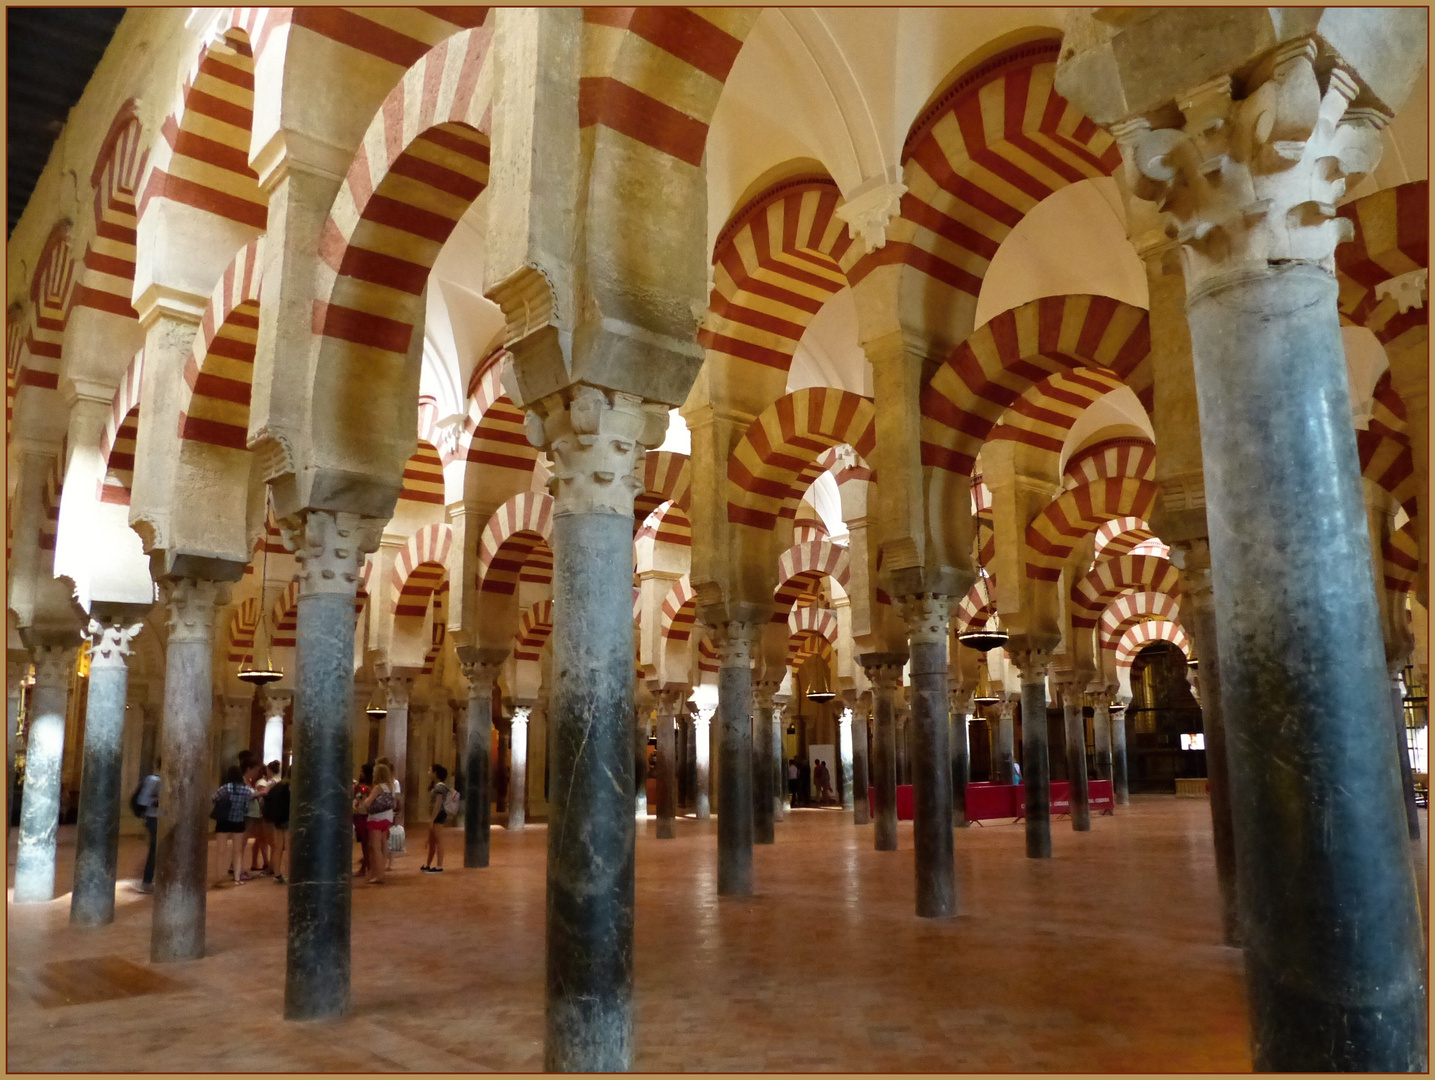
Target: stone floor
{"x": 1103, "y": 959}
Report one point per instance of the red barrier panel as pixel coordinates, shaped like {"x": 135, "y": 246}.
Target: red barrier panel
{"x": 904, "y": 801}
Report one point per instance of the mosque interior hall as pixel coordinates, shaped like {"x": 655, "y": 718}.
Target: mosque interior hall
{"x": 717, "y": 539}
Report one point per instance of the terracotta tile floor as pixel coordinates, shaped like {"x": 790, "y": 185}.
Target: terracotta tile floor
{"x": 1102, "y": 960}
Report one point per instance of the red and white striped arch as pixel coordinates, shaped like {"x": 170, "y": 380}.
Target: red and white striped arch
{"x": 1109, "y": 578}
{"x": 242, "y": 626}
{"x": 996, "y": 143}
{"x": 534, "y": 628}
{"x": 284, "y": 617}
{"x": 423, "y": 477}
{"x": 117, "y": 445}
{"x": 1047, "y": 410}
{"x": 107, "y": 279}
{"x": 977, "y": 606}
{"x": 51, "y": 292}
{"x": 1400, "y": 558}
{"x": 815, "y": 620}
{"x": 809, "y": 643}
{"x": 429, "y": 547}
{"x": 775, "y": 264}
{"x": 1130, "y": 608}
{"x": 679, "y": 613}
{"x": 1123, "y": 456}
{"x": 516, "y": 544}
{"x": 1127, "y": 536}
{"x": 493, "y": 435}
{"x": 50, "y": 498}
{"x": 990, "y": 371}
{"x": 807, "y": 524}
{"x": 219, "y": 373}
{"x": 666, "y": 478}
{"x": 1392, "y": 237}
{"x": 1146, "y": 633}
{"x": 1054, "y": 533}
{"x": 1384, "y": 447}
{"x": 778, "y": 457}
{"x": 667, "y": 524}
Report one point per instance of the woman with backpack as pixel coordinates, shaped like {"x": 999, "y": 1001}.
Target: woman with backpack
{"x": 276, "y": 817}
{"x": 231, "y": 804}
{"x": 379, "y": 804}
{"x": 439, "y": 799}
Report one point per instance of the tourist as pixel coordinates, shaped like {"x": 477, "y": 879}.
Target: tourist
{"x": 379, "y": 804}
{"x": 438, "y": 814}
{"x": 398, "y": 790}
{"x": 276, "y": 820}
{"x": 361, "y": 818}
{"x": 254, "y": 819}
{"x": 149, "y": 798}
{"x": 792, "y": 775}
{"x": 231, "y": 805}
{"x": 1016, "y": 772}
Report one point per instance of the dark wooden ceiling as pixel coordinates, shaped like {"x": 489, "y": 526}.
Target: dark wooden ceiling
{"x": 51, "y": 52}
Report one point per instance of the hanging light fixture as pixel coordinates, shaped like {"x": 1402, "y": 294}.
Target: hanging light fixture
{"x": 990, "y": 636}
{"x": 266, "y": 673}
{"x": 378, "y": 712}
{"x": 985, "y": 693}
{"x": 820, "y": 688}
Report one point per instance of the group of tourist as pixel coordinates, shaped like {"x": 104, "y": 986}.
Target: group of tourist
{"x": 378, "y": 801}
{"x": 807, "y": 785}
{"x": 253, "y": 804}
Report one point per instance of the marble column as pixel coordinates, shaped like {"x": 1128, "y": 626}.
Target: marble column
{"x": 928, "y": 631}
{"x": 477, "y": 768}
{"x": 518, "y": 768}
{"x": 1120, "y": 791}
{"x": 44, "y": 749}
{"x": 735, "y": 643}
{"x": 764, "y": 814}
{"x": 181, "y": 877}
{"x": 1402, "y": 750}
{"x": 779, "y": 764}
{"x": 961, "y": 705}
{"x": 235, "y": 735}
{"x": 640, "y": 757}
{"x": 595, "y": 440}
{"x": 861, "y": 802}
{"x": 702, "y": 749}
{"x": 669, "y": 701}
{"x": 272, "y": 745}
{"x": 1078, "y": 792}
{"x": 97, "y": 832}
{"x": 844, "y": 754}
{"x": 884, "y": 672}
{"x": 1004, "y": 746}
{"x": 902, "y": 719}
{"x": 17, "y": 665}
{"x": 330, "y": 547}
{"x": 398, "y": 688}
{"x": 1035, "y": 759}
{"x": 1101, "y": 728}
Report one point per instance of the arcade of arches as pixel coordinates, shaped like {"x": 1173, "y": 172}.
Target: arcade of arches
{"x": 420, "y": 353}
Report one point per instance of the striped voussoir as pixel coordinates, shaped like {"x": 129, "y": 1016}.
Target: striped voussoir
{"x": 1047, "y": 410}
{"x": 107, "y": 279}
{"x": 51, "y": 292}
{"x": 807, "y": 524}
{"x": 1020, "y": 349}
{"x": 1400, "y": 558}
{"x": 14, "y": 354}
{"x": 780, "y": 258}
{"x": 202, "y": 157}
{"x": 1392, "y": 237}
{"x": 976, "y": 607}
{"x": 1143, "y": 634}
{"x": 845, "y": 465}
{"x": 423, "y": 477}
{"x": 666, "y": 478}
{"x": 679, "y": 614}
{"x": 50, "y": 499}
{"x": 242, "y": 625}
{"x": 422, "y": 162}
{"x": 806, "y": 644}
{"x": 1125, "y": 456}
{"x": 1054, "y": 534}
{"x": 438, "y": 629}
{"x": 802, "y": 621}
{"x": 1124, "y": 536}
{"x": 493, "y": 435}
{"x": 777, "y": 459}
{"x": 516, "y": 544}
{"x": 284, "y": 618}
{"x": 1110, "y": 578}
{"x": 1384, "y": 447}
{"x": 117, "y": 444}
{"x": 994, "y": 145}
{"x": 666, "y": 525}
{"x": 707, "y": 654}
{"x": 270, "y": 544}
{"x": 1130, "y": 608}
{"x": 443, "y": 438}
{"x": 534, "y": 628}
{"x": 800, "y": 570}
{"x": 653, "y": 74}
{"x": 219, "y": 373}
{"x": 420, "y": 565}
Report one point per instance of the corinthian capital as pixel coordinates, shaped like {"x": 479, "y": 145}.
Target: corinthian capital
{"x": 330, "y": 546}
{"x": 191, "y": 604}
{"x": 110, "y": 641}
{"x": 927, "y": 616}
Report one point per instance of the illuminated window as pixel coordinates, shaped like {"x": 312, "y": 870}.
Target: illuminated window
{"x": 1193, "y": 742}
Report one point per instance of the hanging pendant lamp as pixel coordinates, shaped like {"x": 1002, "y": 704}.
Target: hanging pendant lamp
{"x": 820, "y": 689}
{"x": 265, "y": 673}
{"x": 990, "y": 636}
{"x": 985, "y": 693}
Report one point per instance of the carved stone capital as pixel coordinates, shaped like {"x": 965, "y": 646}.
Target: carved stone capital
{"x": 703, "y": 716}
{"x": 191, "y": 605}
{"x": 274, "y": 702}
{"x": 330, "y": 546}
{"x": 54, "y": 664}
{"x": 734, "y": 642}
{"x": 763, "y": 692}
{"x": 596, "y": 440}
{"x": 236, "y": 712}
{"x": 1244, "y": 184}
{"x": 1032, "y": 663}
{"x": 110, "y": 642}
{"x": 670, "y": 700}
{"x": 1006, "y": 707}
{"x": 928, "y": 617}
{"x": 519, "y": 720}
{"x": 481, "y": 675}
{"x": 962, "y": 702}
{"x": 870, "y": 209}
{"x": 883, "y": 670}
{"x": 1408, "y": 290}
{"x": 397, "y": 688}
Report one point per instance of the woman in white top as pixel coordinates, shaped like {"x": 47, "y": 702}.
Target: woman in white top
{"x": 398, "y": 810}
{"x": 379, "y": 805}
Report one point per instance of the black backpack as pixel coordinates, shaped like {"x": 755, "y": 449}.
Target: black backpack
{"x": 139, "y": 809}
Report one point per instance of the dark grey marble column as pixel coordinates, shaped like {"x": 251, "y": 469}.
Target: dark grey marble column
{"x": 1402, "y": 751}
{"x": 763, "y": 814}
{"x": 181, "y": 878}
{"x": 1120, "y": 791}
{"x": 702, "y": 753}
{"x": 1101, "y": 726}
{"x": 735, "y": 642}
{"x": 1330, "y": 918}
{"x": 1079, "y": 793}
{"x": 1005, "y": 743}
{"x": 926, "y": 616}
{"x": 884, "y": 672}
{"x": 330, "y": 551}
{"x": 1035, "y": 760}
{"x": 97, "y": 833}
{"x": 17, "y": 664}
{"x": 478, "y": 749}
{"x": 640, "y": 756}
{"x": 669, "y": 701}
{"x": 779, "y": 764}
{"x": 961, "y": 705}
{"x": 44, "y": 751}
{"x": 861, "y": 801}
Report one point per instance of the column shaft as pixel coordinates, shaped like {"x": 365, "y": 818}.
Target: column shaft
{"x": 44, "y": 750}
{"x": 961, "y": 767}
{"x": 1120, "y": 791}
{"x": 1101, "y": 727}
{"x": 735, "y": 818}
{"x": 477, "y": 767}
{"x": 518, "y": 771}
{"x": 667, "y": 774}
{"x": 844, "y": 755}
{"x": 1006, "y": 742}
{"x": 1402, "y": 752}
{"x": 1035, "y": 762}
{"x": 884, "y": 671}
{"x": 861, "y": 803}
{"x": 1079, "y": 795}
{"x": 779, "y": 768}
{"x": 763, "y": 816}
{"x": 702, "y": 749}
{"x": 931, "y": 762}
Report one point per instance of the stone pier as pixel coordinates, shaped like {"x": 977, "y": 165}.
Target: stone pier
{"x": 927, "y": 634}
{"x": 735, "y": 643}
{"x": 1035, "y": 757}
{"x": 477, "y": 766}
{"x": 1079, "y": 793}
{"x": 884, "y": 671}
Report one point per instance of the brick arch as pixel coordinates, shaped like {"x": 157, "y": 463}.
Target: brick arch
{"x": 1400, "y": 558}
{"x": 421, "y": 164}
{"x": 1110, "y": 578}
{"x": 438, "y": 628}
{"x": 51, "y": 292}
{"x": 1384, "y": 448}
{"x": 814, "y": 620}
{"x": 807, "y": 524}
{"x": 806, "y": 643}
{"x": 284, "y": 617}
{"x": 778, "y": 260}
{"x": 534, "y": 628}
{"x": 521, "y": 529}
{"x": 1145, "y": 633}
{"x": 219, "y": 374}
{"x": 493, "y": 435}
{"x": 1392, "y": 237}
{"x": 1121, "y": 536}
{"x": 1054, "y": 533}
{"x": 1045, "y": 413}
{"x": 423, "y": 477}
{"x": 1124, "y": 456}
{"x": 800, "y": 570}
{"x": 243, "y": 625}
{"x": 977, "y": 606}
{"x": 778, "y": 457}
{"x": 202, "y": 157}
{"x": 427, "y": 547}
{"x": 117, "y": 445}
{"x": 667, "y": 524}
{"x": 667, "y": 477}
{"x": 990, "y": 371}
{"x": 1134, "y": 607}
{"x": 679, "y": 613}
{"x": 107, "y": 280}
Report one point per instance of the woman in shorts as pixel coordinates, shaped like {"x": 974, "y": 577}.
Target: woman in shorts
{"x": 379, "y": 805}
{"x": 231, "y": 805}
{"x": 276, "y": 818}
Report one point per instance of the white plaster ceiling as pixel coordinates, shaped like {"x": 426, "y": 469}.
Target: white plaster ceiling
{"x": 829, "y": 353}
{"x": 461, "y": 325}
{"x": 1120, "y": 409}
